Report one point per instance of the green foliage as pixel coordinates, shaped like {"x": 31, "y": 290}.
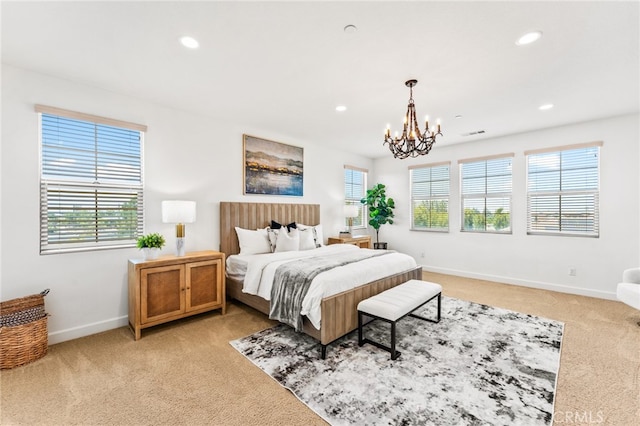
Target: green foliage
{"x": 473, "y": 219}
{"x": 380, "y": 207}
{"x": 154, "y": 240}
{"x": 500, "y": 219}
{"x": 486, "y": 221}
{"x": 433, "y": 214}
{"x": 86, "y": 224}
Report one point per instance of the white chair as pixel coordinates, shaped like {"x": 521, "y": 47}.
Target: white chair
{"x": 629, "y": 289}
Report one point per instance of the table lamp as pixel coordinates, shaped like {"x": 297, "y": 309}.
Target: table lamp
{"x": 351, "y": 211}
{"x": 179, "y": 212}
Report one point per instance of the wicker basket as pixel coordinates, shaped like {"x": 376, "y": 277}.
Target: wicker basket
{"x": 23, "y": 330}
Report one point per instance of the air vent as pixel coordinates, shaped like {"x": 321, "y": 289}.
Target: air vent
{"x": 477, "y": 132}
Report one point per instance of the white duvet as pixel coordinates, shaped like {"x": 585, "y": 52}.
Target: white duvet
{"x": 261, "y": 268}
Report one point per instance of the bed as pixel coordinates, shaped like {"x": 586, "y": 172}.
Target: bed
{"x": 338, "y": 312}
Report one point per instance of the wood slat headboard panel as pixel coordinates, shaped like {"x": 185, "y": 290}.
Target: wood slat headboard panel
{"x": 260, "y": 215}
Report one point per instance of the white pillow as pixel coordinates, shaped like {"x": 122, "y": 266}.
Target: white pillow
{"x": 307, "y": 239}
{"x": 317, "y": 231}
{"x": 253, "y": 242}
{"x": 287, "y": 241}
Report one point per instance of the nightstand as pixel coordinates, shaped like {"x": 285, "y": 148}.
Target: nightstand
{"x": 362, "y": 242}
{"x": 172, "y": 287}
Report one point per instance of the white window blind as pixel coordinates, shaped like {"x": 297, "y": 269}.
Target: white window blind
{"x": 562, "y": 191}
{"x": 430, "y": 197}
{"x": 486, "y": 194}
{"x": 91, "y": 188}
{"x": 355, "y": 184}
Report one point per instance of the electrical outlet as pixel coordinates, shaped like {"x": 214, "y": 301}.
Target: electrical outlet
{"x": 422, "y": 255}
{"x": 572, "y": 271}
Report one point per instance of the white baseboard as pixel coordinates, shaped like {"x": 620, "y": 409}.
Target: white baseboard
{"x": 525, "y": 283}
{"x": 87, "y": 330}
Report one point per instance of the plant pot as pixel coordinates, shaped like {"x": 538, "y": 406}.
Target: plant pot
{"x": 151, "y": 253}
{"x": 380, "y": 246}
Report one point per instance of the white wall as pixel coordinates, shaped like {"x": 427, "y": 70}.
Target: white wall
{"x": 187, "y": 156}
{"x": 536, "y": 261}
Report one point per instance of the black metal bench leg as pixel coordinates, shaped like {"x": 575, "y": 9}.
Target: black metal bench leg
{"x": 411, "y": 314}
{"x": 360, "y": 339}
{"x": 394, "y": 353}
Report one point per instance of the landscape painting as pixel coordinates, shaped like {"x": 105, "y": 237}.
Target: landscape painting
{"x": 272, "y": 168}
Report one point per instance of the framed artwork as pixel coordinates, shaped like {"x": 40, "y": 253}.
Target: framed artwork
{"x": 272, "y": 168}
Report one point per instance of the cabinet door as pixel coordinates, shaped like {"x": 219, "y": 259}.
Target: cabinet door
{"x": 162, "y": 292}
{"x": 204, "y": 284}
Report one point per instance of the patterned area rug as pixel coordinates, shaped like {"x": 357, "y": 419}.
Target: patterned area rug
{"x": 479, "y": 366}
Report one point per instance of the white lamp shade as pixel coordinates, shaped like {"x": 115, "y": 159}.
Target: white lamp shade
{"x": 351, "y": 210}
{"x": 174, "y": 211}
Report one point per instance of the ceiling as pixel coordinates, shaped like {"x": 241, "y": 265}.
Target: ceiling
{"x": 284, "y": 66}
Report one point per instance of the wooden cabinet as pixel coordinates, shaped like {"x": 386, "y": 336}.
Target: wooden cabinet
{"x": 362, "y": 242}
{"x": 172, "y": 287}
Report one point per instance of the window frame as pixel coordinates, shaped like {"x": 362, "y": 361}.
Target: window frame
{"x": 412, "y": 198}
{"x": 486, "y": 195}
{"x": 356, "y": 200}
{"x": 595, "y": 233}
{"x": 58, "y": 192}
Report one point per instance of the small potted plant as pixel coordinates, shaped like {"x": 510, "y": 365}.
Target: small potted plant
{"x": 151, "y": 244}
{"x": 380, "y": 210}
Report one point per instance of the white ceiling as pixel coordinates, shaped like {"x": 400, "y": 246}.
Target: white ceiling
{"x": 285, "y": 66}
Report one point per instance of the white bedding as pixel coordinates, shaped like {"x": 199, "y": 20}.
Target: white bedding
{"x": 259, "y": 270}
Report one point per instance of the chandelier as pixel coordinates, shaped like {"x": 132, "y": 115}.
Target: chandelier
{"x": 412, "y": 142}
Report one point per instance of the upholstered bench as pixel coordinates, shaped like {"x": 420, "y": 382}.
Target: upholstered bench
{"x": 394, "y": 304}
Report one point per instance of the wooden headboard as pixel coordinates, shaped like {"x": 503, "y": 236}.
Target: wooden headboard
{"x": 260, "y": 215}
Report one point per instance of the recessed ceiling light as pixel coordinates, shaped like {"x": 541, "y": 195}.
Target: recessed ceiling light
{"x": 529, "y": 38}
{"x": 545, "y": 107}
{"x": 458, "y": 116}
{"x": 189, "y": 42}
{"x": 341, "y": 108}
{"x": 350, "y": 29}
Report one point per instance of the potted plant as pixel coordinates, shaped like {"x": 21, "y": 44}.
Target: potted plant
{"x": 151, "y": 244}
{"x": 380, "y": 210}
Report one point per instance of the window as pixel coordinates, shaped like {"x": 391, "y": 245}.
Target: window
{"x": 355, "y": 184}
{"x": 430, "y": 197}
{"x": 563, "y": 185}
{"x": 90, "y": 181}
{"x": 486, "y": 194}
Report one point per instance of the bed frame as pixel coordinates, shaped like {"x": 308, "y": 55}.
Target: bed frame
{"x": 339, "y": 312}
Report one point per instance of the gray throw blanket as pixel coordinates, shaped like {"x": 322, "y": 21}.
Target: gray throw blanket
{"x": 292, "y": 280}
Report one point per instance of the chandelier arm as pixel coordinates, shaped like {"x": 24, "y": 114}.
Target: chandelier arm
{"x": 406, "y": 121}
{"x": 414, "y": 121}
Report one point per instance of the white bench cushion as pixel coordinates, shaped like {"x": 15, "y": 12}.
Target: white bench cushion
{"x": 398, "y": 301}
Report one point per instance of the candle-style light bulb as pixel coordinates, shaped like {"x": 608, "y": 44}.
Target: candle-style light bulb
{"x": 426, "y": 121}
{"x": 438, "y": 121}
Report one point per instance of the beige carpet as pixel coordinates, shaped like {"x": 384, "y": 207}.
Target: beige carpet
{"x": 187, "y": 373}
